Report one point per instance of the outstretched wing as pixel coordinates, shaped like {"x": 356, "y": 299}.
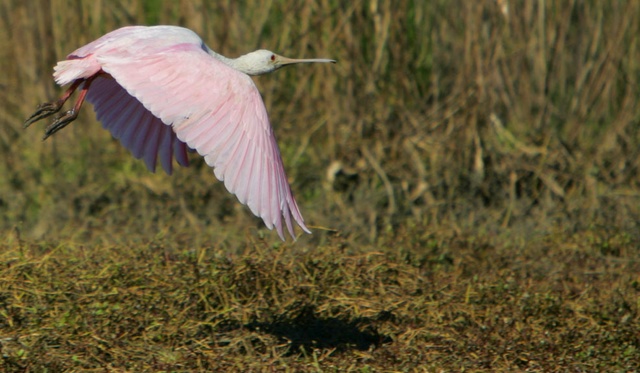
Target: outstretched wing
{"x": 211, "y": 107}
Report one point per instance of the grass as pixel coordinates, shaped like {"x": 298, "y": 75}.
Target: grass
{"x": 426, "y": 304}
{"x": 471, "y": 177}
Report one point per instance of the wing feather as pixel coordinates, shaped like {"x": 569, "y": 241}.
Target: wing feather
{"x": 151, "y": 146}
{"x": 166, "y": 150}
{"x": 180, "y": 151}
{"x": 143, "y": 134}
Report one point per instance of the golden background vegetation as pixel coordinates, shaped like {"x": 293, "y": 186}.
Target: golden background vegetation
{"x": 437, "y": 114}
{"x": 470, "y": 171}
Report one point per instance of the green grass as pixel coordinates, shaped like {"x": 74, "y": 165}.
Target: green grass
{"x": 471, "y": 177}
{"x": 464, "y": 303}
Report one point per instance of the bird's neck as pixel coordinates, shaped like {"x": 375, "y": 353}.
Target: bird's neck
{"x": 219, "y": 57}
{"x": 241, "y": 63}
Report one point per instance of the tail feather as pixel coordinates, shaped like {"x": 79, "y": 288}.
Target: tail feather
{"x": 70, "y": 70}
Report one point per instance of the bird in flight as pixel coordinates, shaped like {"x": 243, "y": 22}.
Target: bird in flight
{"x": 162, "y": 92}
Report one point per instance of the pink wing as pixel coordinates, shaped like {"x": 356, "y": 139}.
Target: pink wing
{"x": 164, "y": 78}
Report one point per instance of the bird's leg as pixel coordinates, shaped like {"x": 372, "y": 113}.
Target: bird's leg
{"x": 50, "y": 108}
{"x": 68, "y": 117}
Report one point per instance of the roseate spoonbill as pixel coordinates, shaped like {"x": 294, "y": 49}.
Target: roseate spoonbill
{"x": 161, "y": 91}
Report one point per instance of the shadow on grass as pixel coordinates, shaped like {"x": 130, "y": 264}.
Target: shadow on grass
{"x": 306, "y": 331}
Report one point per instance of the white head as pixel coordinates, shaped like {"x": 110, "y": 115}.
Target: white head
{"x": 263, "y": 61}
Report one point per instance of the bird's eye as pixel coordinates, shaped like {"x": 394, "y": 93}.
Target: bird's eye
{"x": 273, "y": 57}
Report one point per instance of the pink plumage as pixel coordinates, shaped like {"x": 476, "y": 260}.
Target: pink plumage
{"x": 160, "y": 91}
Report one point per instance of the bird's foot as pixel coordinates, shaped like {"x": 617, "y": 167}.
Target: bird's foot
{"x": 43, "y": 111}
{"x": 60, "y": 122}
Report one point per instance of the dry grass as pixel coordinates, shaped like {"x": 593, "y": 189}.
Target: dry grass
{"x": 455, "y": 304}
{"x": 477, "y": 173}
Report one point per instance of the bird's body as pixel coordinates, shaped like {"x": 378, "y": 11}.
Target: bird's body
{"x": 161, "y": 91}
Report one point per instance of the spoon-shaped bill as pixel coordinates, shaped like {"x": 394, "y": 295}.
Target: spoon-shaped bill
{"x": 282, "y": 61}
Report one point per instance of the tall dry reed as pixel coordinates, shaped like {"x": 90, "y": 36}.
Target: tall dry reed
{"x": 443, "y": 113}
